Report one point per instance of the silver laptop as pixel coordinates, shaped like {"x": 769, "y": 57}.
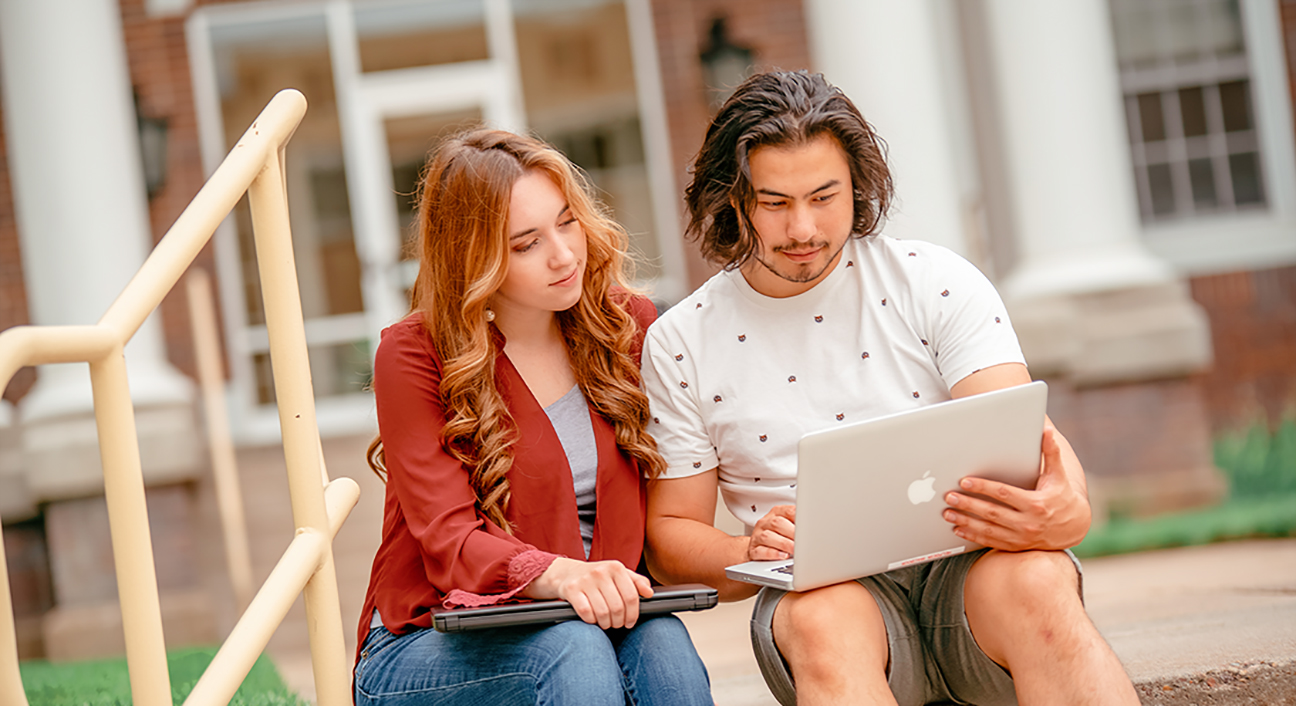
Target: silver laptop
{"x": 870, "y": 494}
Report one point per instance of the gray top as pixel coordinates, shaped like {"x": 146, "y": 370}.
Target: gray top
{"x": 570, "y": 417}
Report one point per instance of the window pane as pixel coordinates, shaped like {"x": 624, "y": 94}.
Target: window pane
{"x": 1202, "y": 175}
{"x": 255, "y": 60}
{"x": 398, "y": 35}
{"x": 1135, "y": 30}
{"x": 409, "y": 141}
{"x": 1193, "y": 108}
{"x": 1150, "y": 117}
{"x": 579, "y": 88}
{"x": 1236, "y": 103}
{"x": 1221, "y": 27}
{"x": 341, "y": 369}
{"x": 1245, "y": 171}
{"x": 1163, "y": 201}
{"x": 1179, "y": 31}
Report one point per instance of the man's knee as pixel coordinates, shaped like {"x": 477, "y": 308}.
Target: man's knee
{"x": 1022, "y": 578}
{"x": 829, "y": 619}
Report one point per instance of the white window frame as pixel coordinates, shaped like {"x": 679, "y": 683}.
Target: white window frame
{"x": 1256, "y": 238}
{"x": 364, "y": 99}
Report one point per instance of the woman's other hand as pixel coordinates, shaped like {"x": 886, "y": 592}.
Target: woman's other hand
{"x": 604, "y": 593}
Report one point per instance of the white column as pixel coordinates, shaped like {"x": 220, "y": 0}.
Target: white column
{"x": 1086, "y": 297}
{"x": 891, "y": 59}
{"x": 80, "y": 207}
{"x": 1069, "y": 168}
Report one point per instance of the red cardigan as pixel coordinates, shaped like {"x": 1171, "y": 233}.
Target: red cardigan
{"x": 436, "y": 547}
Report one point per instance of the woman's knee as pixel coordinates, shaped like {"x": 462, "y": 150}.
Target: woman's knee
{"x": 580, "y": 665}
{"x": 661, "y": 665}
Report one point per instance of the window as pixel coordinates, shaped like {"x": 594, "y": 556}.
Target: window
{"x": 1187, "y": 87}
{"x": 1208, "y": 112}
{"x": 385, "y": 79}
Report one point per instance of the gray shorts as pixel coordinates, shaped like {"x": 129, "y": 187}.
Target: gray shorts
{"x": 934, "y": 657}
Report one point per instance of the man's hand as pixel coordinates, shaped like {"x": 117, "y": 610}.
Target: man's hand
{"x": 1055, "y": 515}
{"x": 772, "y": 537}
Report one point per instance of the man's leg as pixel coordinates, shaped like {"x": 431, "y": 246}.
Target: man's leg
{"x": 834, "y": 640}
{"x": 1025, "y": 612}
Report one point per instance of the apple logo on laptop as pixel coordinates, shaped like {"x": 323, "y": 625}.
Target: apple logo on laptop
{"x": 922, "y": 490}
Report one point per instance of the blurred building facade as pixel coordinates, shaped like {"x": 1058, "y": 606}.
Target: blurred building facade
{"x": 1124, "y": 171}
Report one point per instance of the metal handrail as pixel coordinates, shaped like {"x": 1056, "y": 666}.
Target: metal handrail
{"x": 254, "y": 166}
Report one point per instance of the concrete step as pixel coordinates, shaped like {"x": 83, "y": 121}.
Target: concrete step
{"x": 1200, "y": 625}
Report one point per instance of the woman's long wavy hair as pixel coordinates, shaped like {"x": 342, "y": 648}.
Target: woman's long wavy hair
{"x": 463, "y": 211}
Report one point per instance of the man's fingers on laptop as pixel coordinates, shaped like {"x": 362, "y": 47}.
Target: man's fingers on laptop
{"x": 773, "y": 536}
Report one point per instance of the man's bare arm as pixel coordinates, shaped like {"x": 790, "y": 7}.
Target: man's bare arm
{"x": 684, "y": 545}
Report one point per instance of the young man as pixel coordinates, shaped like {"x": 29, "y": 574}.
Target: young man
{"x": 817, "y": 320}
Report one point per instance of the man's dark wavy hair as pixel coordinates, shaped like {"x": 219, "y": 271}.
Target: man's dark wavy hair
{"x": 778, "y": 108}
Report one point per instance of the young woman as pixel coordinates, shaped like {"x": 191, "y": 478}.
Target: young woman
{"x": 512, "y": 438}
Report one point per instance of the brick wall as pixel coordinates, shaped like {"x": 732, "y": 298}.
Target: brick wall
{"x": 159, "y": 73}
{"x": 1253, "y": 331}
{"x": 774, "y": 30}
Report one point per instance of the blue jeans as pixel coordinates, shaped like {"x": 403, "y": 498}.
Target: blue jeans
{"x": 566, "y": 663}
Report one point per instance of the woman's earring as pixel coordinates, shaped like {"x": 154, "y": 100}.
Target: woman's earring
{"x": 490, "y": 316}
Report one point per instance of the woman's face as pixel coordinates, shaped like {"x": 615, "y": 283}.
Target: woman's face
{"x": 547, "y": 251}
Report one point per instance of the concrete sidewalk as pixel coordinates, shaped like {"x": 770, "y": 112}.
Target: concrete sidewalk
{"x": 1208, "y": 625}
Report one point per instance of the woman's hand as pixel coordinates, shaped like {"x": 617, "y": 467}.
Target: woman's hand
{"x": 773, "y": 535}
{"x": 604, "y": 593}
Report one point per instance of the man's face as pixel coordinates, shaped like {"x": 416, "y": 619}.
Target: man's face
{"x": 803, "y": 215}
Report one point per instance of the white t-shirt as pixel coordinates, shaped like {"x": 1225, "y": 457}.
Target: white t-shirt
{"x": 735, "y": 378}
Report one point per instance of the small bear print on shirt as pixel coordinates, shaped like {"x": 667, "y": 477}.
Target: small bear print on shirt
{"x": 840, "y": 416}
{"x": 915, "y": 394}
{"x": 742, "y": 337}
{"x": 791, "y": 378}
{"x": 924, "y": 341}
{"x": 818, "y": 319}
{"x": 913, "y": 254}
{"x": 679, "y": 356}
{"x": 683, "y": 384}
{"x": 864, "y": 355}
{"x": 763, "y": 438}
{"x": 996, "y": 319}
{"x": 716, "y": 398}
{"x": 697, "y": 464}
{"x": 850, "y": 263}
{"x": 753, "y": 508}
{"x": 656, "y": 420}
{"x": 699, "y": 306}
{"x": 883, "y": 302}
{"x": 945, "y": 293}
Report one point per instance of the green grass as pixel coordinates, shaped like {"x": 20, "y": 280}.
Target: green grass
{"x": 106, "y": 683}
{"x": 1261, "y": 471}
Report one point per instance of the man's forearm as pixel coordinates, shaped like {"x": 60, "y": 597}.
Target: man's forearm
{"x": 682, "y": 550}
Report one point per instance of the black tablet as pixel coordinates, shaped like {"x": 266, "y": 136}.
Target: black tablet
{"x": 665, "y": 599}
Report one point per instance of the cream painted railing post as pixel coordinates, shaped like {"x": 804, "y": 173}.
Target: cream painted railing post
{"x": 296, "y": 400}
{"x": 137, "y": 588}
{"x": 229, "y": 498}
{"x": 255, "y": 166}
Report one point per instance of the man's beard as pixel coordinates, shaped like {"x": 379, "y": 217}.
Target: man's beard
{"x": 802, "y": 274}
